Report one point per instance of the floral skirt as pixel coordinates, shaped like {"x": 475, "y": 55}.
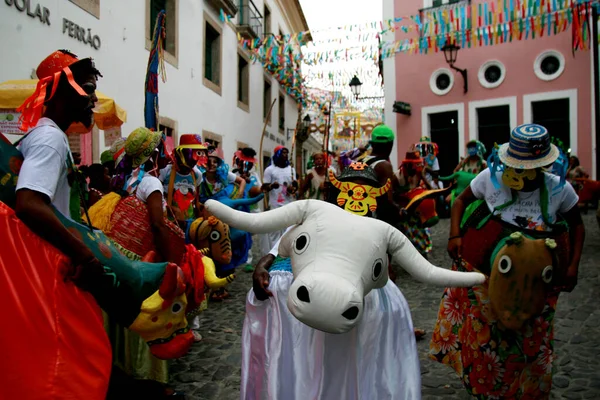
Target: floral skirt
{"x": 493, "y": 362}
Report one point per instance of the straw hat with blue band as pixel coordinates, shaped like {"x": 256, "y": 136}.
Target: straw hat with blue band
{"x": 529, "y": 147}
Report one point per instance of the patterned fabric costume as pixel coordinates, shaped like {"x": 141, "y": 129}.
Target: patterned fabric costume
{"x": 471, "y": 336}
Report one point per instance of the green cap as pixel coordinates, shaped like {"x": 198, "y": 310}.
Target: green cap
{"x": 382, "y": 134}
{"x": 106, "y": 156}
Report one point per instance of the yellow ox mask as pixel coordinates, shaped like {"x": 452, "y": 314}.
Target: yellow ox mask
{"x": 358, "y": 199}
{"x": 515, "y": 178}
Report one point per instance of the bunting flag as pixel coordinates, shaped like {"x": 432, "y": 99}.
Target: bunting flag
{"x": 467, "y": 24}
{"x": 156, "y": 66}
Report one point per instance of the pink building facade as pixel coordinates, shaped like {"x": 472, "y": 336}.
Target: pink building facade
{"x": 538, "y": 81}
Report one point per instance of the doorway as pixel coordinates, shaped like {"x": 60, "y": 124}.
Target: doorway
{"x": 443, "y": 130}
{"x": 554, "y": 116}
{"x": 493, "y": 126}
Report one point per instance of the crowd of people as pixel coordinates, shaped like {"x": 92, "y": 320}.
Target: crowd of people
{"x": 500, "y": 344}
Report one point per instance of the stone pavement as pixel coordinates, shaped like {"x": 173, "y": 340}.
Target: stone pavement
{"x": 212, "y": 368}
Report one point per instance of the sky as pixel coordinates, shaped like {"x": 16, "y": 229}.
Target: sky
{"x": 324, "y": 14}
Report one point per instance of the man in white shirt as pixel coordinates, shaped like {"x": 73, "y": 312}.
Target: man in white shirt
{"x": 44, "y": 176}
{"x": 280, "y": 181}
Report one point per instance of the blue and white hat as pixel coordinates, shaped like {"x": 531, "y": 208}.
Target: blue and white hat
{"x": 529, "y": 147}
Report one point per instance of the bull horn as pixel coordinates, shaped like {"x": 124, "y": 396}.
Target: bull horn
{"x": 265, "y": 222}
{"x": 383, "y": 190}
{"x": 405, "y": 255}
{"x": 334, "y": 180}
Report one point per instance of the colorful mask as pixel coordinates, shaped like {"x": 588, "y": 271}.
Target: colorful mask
{"x": 472, "y": 151}
{"x": 522, "y": 273}
{"x": 358, "y": 199}
{"x": 515, "y": 178}
{"x": 211, "y": 236}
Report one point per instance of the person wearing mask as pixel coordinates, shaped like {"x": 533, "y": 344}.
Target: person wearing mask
{"x": 280, "y": 182}
{"x": 314, "y": 183}
{"x": 507, "y": 352}
{"x": 65, "y": 94}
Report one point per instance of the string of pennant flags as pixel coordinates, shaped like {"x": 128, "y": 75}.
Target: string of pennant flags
{"x": 468, "y": 25}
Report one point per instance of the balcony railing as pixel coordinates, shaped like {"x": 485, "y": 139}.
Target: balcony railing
{"x": 250, "y": 20}
{"x": 228, "y": 6}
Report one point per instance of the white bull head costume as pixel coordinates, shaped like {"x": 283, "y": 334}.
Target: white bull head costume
{"x": 337, "y": 259}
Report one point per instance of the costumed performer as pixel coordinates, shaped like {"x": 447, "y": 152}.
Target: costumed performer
{"x": 498, "y": 337}
{"x": 181, "y": 179}
{"x": 474, "y": 162}
{"x": 376, "y": 357}
{"x": 44, "y": 360}
{"x": 244, "y": 162}
{"x": 429, "y": 152}
{"x": 136, "y": 181}
{"x": 411, "y": 181}
{"x": 99, "y": 182}
{"x": 280, "y": 182}
{"x": 218, "y": 181}
{"x": 313, "y": 186}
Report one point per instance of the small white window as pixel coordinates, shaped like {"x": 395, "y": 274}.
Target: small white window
{"x": 549, "y": 65}
{"x": 441, "y": 81}
{"x": 491, "y": 74}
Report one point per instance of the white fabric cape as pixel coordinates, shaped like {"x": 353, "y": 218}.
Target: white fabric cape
{"x": 283, "y": 359}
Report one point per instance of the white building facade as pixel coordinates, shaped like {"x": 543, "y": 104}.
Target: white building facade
{"x": 212, "y": 88}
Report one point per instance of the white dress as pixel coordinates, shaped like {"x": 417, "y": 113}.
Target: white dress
{"x": 283, "y": 359}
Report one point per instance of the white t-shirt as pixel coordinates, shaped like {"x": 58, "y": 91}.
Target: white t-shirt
{"x": 44, "y": 169}
{"x": 284, "y": 176}
{"x": 147, "y": 186}
{"x": 526, "y": 212}
{"x": 183, "y": 183}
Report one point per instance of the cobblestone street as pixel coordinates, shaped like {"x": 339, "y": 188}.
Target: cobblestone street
{"x": 212, "y": 368}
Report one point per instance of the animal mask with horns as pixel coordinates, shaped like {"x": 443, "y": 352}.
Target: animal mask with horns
{"x": 333, "y": 276}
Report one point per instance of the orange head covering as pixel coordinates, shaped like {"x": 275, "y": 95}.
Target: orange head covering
{"x": 48, "y": 72}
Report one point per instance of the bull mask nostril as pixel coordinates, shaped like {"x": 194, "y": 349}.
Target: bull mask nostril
{"x": 351, "y": 313}
{"x": 302, "y": 294}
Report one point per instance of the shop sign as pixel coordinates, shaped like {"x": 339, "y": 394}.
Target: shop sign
{"x": 26, "y": 6}
{"x": 81, "y": 34}
{"x": 9, "y": 122}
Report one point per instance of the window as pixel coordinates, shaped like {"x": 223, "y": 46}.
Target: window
{"x": 267, "y": 14}
{"x": 266, "y": 100}
{"x": 554, "y": 115}
{"x": 91, "y": 6}
{"x": 444, "y": 131}
{"x": 243, "y": 83}
{"x": 491, "y": 74}
{"x": 441, "y": 81}
{"x": 281, "y": 112}
{"x": 212, "y": 55}
{"x": 266, "y": 160}
{"x": 214, "y": 140}
{"x": 169, "y": 127}
{"x": 493, "y": 126}
{"x": 549, "y": 65}
{"x": 171, "y": 25}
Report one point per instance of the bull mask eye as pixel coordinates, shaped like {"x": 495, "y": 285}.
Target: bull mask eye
{"x": 377, "y": 269}
{"x": 176, "y": 307}
{"x": 301, "y": 243}
{"x": 547, "y": 274}
{"x": 214, "y": 236}
{"x": 505, "y": 264}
